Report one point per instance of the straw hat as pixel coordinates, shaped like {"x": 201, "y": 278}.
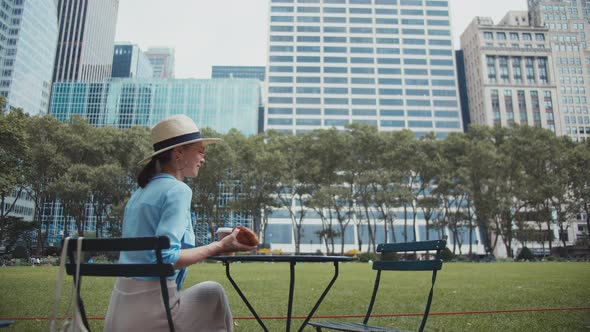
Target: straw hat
{"x": 175, "y": 131}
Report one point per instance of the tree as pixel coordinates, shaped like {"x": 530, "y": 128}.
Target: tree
{"x": 47, "y": 163}
{"x": 578, "y": 160}
{"x": 208, "y": 200}
{"x": 326, "y": 159}
{"x": 366, "y": 146}
{"x": 428, "y": 168}
{"x": 452, "y": 187}
{"x": 14, "y": 161}
{"x": 296, "y": 181}
{"x": 483, "y": 166}
{"x": 74, "y": 192}
{"x": 256, "y": 174}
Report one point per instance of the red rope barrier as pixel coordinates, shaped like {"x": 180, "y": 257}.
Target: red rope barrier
{"x": 475, "y": 312}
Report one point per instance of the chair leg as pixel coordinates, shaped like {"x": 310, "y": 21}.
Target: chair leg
{"x": 83, "y": 313}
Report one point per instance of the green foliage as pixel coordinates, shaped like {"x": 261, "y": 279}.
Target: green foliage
{"x": 20, "y": 251}
{"x": 367, "y": 256}
{"x": 446, "y": 255}
{"x": 507, "y": 176}
{"x": 525, "y": 254}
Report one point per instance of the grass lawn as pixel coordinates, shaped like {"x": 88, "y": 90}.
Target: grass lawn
{"x": 29, "y": 292}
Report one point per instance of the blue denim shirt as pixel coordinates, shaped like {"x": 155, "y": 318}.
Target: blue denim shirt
{"x": 161, "y": 208}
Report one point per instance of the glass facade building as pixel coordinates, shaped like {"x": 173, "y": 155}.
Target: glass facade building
{"x": 86, "y": 39}
{"x": 28, "y": 38}
{"x": 238, "y": 72}
{"x": 130, "y": 61}
{"x": 387, "y": 63}
{"x": 122, "y": 103}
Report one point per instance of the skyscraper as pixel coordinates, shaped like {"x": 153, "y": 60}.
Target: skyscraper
{"x": 86, "y": 39}
{"x": 27, "y": 51}
{"x": 130, "y": 61}
{"x": 508, "y": 72}
{"x": 162, "y": 60}
{"x": 386, "y": 63}
{"x": 568, "y": 22}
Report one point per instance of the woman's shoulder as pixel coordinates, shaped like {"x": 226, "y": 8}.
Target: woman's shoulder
{"x": 170, "y": 184}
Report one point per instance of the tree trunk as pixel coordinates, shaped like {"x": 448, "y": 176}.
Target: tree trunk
{"x": 370, "y": 230}
{"x": 470, "y": 236}
{"x": 414, "y": 221}
{"x": 587, "y": 210}
{"x": 405, "y": 223}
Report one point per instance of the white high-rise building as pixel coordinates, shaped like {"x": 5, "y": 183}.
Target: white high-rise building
{"x": 28, "y": 38}
{"x": 162, "y": 60}
{"x": 387, "y": 63}
{"x": 86, "y": 39}
{"x": 508, "y": 73}
{"x": 568, "y": 22}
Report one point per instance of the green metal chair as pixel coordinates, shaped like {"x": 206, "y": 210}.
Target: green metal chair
{"x": 159, "y": 269}
{"x": 386, "y": 264}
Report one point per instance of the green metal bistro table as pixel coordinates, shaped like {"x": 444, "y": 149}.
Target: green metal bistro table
{"x": 292, "y": 260}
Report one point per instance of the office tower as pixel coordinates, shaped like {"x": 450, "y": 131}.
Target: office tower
{"x": 508, "y": 73}
{"x": 238, "y": 72}
{"x": 221, "y": 104}
{"x": 569, "y": 33}
{"x": 460, "y": 60}
{"x": 27, "y": 50}
{"x": 162, "y": 60}
{"x": 86, "y": 39}
{"x": 130, "y": 61}
{"x": 386, "y": 63}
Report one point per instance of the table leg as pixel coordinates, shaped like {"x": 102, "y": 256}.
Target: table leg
{"x": 227, "y": 273}
{"x": 321, "y": 297}
{"x": 291, "y": 289}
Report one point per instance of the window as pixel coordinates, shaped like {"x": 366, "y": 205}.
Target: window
{"x": 516, "y": 70}
{"x": 530, "y": 70}
{"x": 488, "y": 35}
{"x": 501, "y": 35}
{"x": 503, "y": 63}
{"x": 542, "y": 66}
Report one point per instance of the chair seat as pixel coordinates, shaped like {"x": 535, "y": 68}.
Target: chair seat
{"x": 6, "y": 323}
{"x": 353, "y": 327}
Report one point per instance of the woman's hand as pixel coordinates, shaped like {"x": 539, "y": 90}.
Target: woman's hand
{"x": 227, "y": 244}
{"x": 230, "y": 243}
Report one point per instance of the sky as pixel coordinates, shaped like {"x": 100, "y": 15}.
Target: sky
{"x": 205, "y": 33}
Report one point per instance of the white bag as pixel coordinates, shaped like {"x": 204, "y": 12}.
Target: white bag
{"x": 74, "y": 322}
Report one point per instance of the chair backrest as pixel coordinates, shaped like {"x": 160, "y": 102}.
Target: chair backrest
{"x": 159, "y": 269}
{"x": 391, "y": 264}
{"x": 122, "y": 270}
{"x": 409, "y": 265}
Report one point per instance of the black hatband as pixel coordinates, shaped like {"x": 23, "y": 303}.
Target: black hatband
{"x": 176, "y": 140}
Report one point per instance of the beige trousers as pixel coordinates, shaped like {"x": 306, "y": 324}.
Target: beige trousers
{"x": 136, "y": 305}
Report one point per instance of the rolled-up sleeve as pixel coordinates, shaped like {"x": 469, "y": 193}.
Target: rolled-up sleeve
{"x": 175, "y": 215}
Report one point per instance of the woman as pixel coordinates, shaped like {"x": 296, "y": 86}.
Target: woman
{"x": 161, "y": 206}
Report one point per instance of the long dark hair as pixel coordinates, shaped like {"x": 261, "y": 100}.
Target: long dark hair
{"x": 149, "y": 170}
